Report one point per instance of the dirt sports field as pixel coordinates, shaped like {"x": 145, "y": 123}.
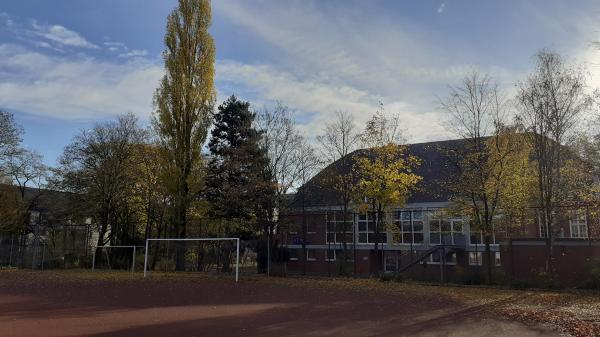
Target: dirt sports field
{"x": 79, "y": 303}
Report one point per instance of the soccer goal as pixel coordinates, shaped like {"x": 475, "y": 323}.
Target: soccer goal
{"x": 191, "y": 254}
{"x": 115, "y": 257}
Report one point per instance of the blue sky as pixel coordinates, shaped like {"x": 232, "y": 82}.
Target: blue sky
{"x": 66, "y": 64}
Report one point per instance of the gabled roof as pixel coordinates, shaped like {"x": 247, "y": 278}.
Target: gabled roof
{"x": 437, "y": 168}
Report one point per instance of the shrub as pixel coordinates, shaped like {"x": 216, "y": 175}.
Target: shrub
{"x": 543, "y": 280}
{"x": 165, "y": 265}
{"x": 594, "y": 282}
{"x": 473, "y": 278}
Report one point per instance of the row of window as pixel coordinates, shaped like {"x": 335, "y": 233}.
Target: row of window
{"x": 391, "y": 262}
{"x": 408, "y": 228}
{"x": 475, "y": 259}
{"x": 311, "y": 254}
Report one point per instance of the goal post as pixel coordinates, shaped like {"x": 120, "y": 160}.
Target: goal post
{"x": 237, "y": 255}
{"x": 133, "y": 248}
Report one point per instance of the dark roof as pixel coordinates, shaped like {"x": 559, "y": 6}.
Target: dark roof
{"x": 57, "y": 204}
{"x": 437, "y": 168}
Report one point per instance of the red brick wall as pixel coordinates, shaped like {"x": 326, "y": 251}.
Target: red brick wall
{"x": 573, "y": 260}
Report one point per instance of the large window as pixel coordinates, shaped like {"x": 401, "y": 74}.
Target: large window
{"x": 366, "y": 229}
{"x": 578, "y": 225}
{"x": 445, "y": 231}
{"x": 477, "y": 237}
{"x": 337, "y": 231}
{"x": 410, "y": 225}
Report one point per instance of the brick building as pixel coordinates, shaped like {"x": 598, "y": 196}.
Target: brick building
{"x": 427, "y": 243}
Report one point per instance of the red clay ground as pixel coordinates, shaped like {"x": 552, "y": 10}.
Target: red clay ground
{"x": 81, "y": 304}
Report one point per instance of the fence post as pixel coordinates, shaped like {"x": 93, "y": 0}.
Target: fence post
{"x": 43, "y": 255}
{"x": 94, "y": 259}
{"x": 237, "y": 261}
{"x": 133, "y": 261}
{"x": 12, "y": 240}
{"x": 145, "y": 257}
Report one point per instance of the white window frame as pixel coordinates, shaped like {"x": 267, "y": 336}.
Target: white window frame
{"x": 579, "y": 221}
{"x": 295, "y": 258}
{"x": 408, "y": 237}
{"x": 311, "y": 258}
{"x": 327, "y": 255}
{"x": 448, "y": 263}
{"x": 440, "y": 232}
{"x": 331, "y": 224}
{"x": 479, "y": 259}
{"x": 370, "y": 226}
{"x": 543, "y": 230}
{"x": 395, "y": 258}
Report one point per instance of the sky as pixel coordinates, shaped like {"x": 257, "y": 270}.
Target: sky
{"x": 67, "y": 64}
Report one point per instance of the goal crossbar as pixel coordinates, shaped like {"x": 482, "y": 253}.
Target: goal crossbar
{"x": 237, "y": 256}
{"x": 133, "y": 255}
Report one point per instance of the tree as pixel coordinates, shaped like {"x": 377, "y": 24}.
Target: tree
{"x": 239, "y": 184}
{"x": 550, "y": 101}
{"x": 338, "y": 139}
{"x": 10, "y": 136}
{"x": 98, "y": 165}
{"x": 308, "y": 164}
{"x": 184, "y": 100}
{"x": 19, "y": 167}
{"x": 477, "y": 112}
{"x": 281, "y": 139}
{"x": 385, "y": 172}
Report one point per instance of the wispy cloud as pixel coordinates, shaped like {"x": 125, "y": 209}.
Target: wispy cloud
{"x": 134, "y": 53}
{"x": 6, "y": 20}
{"x": 61, "y": 35}
{"x": 72, "y": 88}
{"x": 441, "y": 8}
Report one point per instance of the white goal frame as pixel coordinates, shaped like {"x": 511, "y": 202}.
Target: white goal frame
{"x": 237, "y": 256}
{"x": 132, "y": 261}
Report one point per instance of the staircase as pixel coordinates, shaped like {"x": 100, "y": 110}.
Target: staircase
{"x": 425, "y": 254}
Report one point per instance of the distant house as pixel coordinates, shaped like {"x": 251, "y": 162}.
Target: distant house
{"x": 430, "y": 244}
{"x": 55, "y": 228}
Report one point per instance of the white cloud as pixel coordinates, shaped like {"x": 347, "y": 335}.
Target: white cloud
{"x": 61, "y": 35}
{"x": 68, "y": 88}
{"x": 322, "y": 62}
{"x": 134, "y": 53}
{"x": 5, "y": 18}
{"x": 314, "y": 101}
{"x": 441, "y": 8}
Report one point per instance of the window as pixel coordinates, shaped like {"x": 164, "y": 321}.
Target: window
{"x": 542, "y": 227}
{"x": 476, "y": 259}
{"x": 410, "y": 225}
{"x": 445, "y": 231}
{"x": 294, "y": 253}
{"x": 330, "y": 255}
{"x": 477, "y": 237}
{"x": 337, "y": 231}
{"x": 311, "y": 255}
{"x": 391, "y": 264}
{"x": 578, "y": 225}
{"x": 293, "y": 228}
{"x": 366, "y": 229}
{"x": 435, "y": 258}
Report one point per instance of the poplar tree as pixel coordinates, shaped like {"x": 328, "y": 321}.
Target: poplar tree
{"x": 184, "y": 101}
